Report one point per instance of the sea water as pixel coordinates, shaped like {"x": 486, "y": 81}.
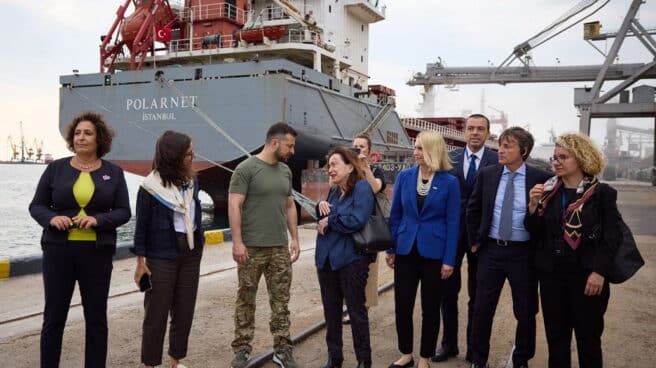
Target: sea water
{"x": 20, "y": 234}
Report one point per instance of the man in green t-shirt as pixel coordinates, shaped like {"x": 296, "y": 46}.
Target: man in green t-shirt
{"x": 261, "y": 210}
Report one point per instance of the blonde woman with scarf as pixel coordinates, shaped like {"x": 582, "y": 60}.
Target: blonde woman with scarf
{"x": 576, "y": 218}
{"x": 168, "y": 242}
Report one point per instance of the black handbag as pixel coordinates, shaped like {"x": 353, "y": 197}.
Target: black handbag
{"x": 627, "y": 260}
{"x": 375, "y": 236}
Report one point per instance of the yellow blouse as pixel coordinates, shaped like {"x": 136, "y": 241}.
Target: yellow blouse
{"x": 83, "y": 191}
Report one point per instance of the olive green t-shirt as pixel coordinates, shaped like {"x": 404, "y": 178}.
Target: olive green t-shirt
{"x": 263, "y": 214}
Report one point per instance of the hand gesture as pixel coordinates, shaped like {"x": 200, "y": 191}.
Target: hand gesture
{"x": 61, "y": 222}
{"x": 322, "y": 226}
{"x": 324, "y": 208}
{"x": 447, "y": 271}
{"x": 595, "y": 284}
{"x": 239, "y": 253}
{"x": 85, "y": 222}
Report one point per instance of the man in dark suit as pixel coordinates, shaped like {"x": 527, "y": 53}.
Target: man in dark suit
{"x": 467, "y": 162}
{"x": 495, "y": 226}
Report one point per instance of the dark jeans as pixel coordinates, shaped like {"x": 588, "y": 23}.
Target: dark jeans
{"x": 92, "y": 269}
{"x": 449, "y": 306}
{"x": 346, "y": 283}
{"x": 409, "y": 271}
{"x": 174, "y": 289}
{"x": 495, "y": 264}
{"x": 566, "y": 308}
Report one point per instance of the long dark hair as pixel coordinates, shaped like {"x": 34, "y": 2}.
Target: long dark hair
{"x": 349, "y": 157}
{"x": 170, "y": 152}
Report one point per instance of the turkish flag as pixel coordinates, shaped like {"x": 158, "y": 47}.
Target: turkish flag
{"x": 163, "y": 34}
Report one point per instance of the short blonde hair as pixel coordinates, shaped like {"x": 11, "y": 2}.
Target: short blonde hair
{"x": 590, "y": 158}
{"x": 434, "y": 149}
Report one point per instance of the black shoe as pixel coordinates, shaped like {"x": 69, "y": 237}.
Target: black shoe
{"x": 332, "y": 363}
{"x": 346, "y": 321}
{"x": 364, "y": 365}
{"x": 409, "y": 364}
{"x": 443, "y": 354}
{"x": 474, "y": 365}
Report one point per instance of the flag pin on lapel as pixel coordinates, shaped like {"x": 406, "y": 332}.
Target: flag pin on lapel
{"x": 106, "y": 177}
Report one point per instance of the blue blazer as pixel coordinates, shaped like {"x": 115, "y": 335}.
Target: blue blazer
{"x": 435, "y": 228}
{"x": 347, "y": 215}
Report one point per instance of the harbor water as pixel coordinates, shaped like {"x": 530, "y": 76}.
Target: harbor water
{"x": 20, "y": 234}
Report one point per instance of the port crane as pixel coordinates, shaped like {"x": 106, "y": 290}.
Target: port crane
{"x": 589, "y": 101}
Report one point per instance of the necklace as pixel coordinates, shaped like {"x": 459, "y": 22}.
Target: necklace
{"x": 423, "y": 188}
{"x": 84, "y": 166}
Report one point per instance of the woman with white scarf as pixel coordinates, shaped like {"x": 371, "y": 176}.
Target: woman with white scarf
{"x": 168, "y": 242}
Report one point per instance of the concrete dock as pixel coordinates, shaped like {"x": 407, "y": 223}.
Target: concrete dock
{"x": 629, "y": 338}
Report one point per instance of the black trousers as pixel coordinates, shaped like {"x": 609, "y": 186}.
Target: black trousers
{"x": 449, "y": 307}
{"x": 409, "y": 271}
{"x": 174, "y": 289}
{"x": 92, "y": 269}
{"x": 495, "y": 265}
{"x": 346, "y": 284}
{"x": 566, "y": 308}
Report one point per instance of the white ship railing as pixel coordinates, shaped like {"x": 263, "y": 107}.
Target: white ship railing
{"x": 446, "y": 132}
{"x": 448, "y": 146}
{"x": 214, "y": 10}
{"x": 225, "y": 41}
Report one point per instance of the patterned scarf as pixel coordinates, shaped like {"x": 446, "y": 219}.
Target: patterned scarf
{"x": 571, "y": 221}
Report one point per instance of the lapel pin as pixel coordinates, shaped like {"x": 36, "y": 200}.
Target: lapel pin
{"x": 106, "y": 177}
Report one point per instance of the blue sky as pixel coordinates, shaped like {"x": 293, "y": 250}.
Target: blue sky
{"x": 51, "y": 38}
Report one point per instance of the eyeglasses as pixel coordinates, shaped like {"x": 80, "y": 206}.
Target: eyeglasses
{"x": 559, "y": 158}
{"x": 190, "y": 154}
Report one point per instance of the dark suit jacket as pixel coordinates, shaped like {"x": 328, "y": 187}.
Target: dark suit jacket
{"x": 434, "y": 229}
{"x": 110, "y": 204}
{"x": 154, "y": 233}
{"x": 599, "y": 215}
{"x": 480, "y": 207}
{"x": 457, "y": 157}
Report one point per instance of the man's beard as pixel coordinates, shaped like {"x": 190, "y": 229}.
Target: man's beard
{"x": 280, "y": 156}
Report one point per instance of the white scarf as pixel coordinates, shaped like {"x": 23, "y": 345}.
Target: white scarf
{"x": 171, "y": 197}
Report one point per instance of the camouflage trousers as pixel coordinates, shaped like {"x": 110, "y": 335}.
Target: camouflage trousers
{"x": 275, "y": 264}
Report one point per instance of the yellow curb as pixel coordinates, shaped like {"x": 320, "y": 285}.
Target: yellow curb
{"x": 213, "y": 237}
{"x": 5, "y": 267}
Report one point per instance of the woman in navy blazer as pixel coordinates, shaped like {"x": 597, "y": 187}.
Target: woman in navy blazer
{"x": 168, "y": 242}
{"x": 341, "y": 269}
{"x": 79, "y": 202}
{"x": 424, "y": 222}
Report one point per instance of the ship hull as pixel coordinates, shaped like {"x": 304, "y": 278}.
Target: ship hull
{"x": 226, "y": 109}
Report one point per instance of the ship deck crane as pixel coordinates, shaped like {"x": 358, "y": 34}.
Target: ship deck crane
{"x": 588, "y": 100}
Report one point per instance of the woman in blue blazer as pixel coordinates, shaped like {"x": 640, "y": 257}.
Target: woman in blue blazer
{"x": 424, "y": 222}
{"x": 341, "y": 269}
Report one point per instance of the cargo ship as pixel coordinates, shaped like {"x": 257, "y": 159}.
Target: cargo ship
{"x": 224, "y": 71}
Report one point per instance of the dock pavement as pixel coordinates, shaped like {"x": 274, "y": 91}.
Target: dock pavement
{"x": 629, "y": 338}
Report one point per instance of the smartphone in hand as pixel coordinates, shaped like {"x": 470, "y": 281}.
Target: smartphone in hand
{"x": 144, "y": 283}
